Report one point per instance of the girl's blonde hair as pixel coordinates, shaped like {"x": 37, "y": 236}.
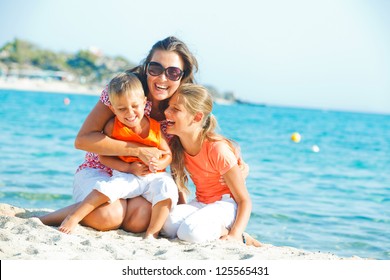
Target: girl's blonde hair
{"x": 196, "y": 99}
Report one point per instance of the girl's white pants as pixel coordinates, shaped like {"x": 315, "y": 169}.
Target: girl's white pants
{"x": 199, "y": 222}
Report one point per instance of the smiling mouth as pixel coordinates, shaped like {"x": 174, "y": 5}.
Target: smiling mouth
{"x": 170, "y": 122}
{"x": 161, "y": 87}
{"x": 131, "y": 119}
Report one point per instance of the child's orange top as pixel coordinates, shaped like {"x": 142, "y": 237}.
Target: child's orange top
{"x": 207, "y": 167}
{"x": 122, "y": 132}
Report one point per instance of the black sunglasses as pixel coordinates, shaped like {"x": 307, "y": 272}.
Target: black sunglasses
{"x": 172, "y": 73}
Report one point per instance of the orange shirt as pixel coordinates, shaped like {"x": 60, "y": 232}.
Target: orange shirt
{"x": 206, "y": 168}
{"x": 122, "y": 132}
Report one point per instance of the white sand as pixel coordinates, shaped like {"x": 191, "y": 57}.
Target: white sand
{"x": 24, "y": 237}
{"x": 49, "y": 86}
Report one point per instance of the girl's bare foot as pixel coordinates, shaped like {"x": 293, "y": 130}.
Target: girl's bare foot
{"x": 250, "y": 241}
{"x": 68, "y": 225}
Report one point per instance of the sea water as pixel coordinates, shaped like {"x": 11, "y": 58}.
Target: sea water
{"x": 333, "y": 200}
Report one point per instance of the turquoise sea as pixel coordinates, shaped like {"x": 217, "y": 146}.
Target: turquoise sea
{"x": 336, "y": 200}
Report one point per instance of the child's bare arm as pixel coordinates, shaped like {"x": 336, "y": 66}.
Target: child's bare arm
{"x": 236, "y": 184}
{"x": 156, "y": 164}
{"x": 161, "y": 163}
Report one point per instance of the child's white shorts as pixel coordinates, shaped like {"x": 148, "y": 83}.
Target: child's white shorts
{"x": 85, "y": 181}
{"x": 154, "y": 187}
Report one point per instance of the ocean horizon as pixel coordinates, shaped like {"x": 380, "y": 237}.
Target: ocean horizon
{"x": 330, "y": 192}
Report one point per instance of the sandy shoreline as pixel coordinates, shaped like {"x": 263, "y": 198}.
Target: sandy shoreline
{"x": 49, "y": 86}
{"x": 23, "y": 237}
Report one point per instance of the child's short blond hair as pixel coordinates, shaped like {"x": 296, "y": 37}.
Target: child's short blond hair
{"x": 124, "y": 84}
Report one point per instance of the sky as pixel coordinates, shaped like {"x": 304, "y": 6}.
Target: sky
{"x": 331, "y": 55}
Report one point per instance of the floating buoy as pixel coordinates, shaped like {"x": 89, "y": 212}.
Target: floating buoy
{"x": 296, "y": 137}
{"x": 66, "y": 101}
{"x": 315, "y": 148}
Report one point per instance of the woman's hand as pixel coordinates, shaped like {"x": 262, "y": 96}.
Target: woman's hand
{"x": 147, "y": 153}
{"x": 155, "y": 165}
{"x": 244, "y": 168}
{"x": 138, "y": 168}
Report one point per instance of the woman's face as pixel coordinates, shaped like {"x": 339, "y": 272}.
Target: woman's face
{"x": 160, "y": 87}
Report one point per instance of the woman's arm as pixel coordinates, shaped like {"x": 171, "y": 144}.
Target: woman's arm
{"x": 236, "y": 184}
{"x": 114, "y": 162}
{"x": 90, "y": 138}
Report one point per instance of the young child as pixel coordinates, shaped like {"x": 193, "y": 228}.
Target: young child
{"x": 220, "y": 210}
{"x": 130, "y": 124}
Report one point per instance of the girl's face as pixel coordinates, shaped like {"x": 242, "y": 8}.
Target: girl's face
{"x": 160, "y": 87}
{"x": 129, "y": 109}
{"x": 179, "y": 120}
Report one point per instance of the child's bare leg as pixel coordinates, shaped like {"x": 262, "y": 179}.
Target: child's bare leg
{"x": 160, "y": 212}
{"x": 90, "y": 203}
{"x": 55, "y": 218}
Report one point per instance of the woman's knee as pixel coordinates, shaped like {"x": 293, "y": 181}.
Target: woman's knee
{"x": 107, "y": 217}
{"x": 138, "y": 215}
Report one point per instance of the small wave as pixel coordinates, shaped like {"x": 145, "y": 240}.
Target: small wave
{"x": 35, "y": 196}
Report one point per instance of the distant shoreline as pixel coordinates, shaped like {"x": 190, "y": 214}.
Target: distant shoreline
{"x": 49, "y": 86}
{"x": 54, "y": 86}
{"x": 75, "y": 88}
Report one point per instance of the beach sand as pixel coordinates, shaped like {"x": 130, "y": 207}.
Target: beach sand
{"x": 49, "y": 86}
{"x": 24, "y": 237}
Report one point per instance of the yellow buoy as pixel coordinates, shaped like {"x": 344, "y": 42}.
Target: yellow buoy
{"x": 296, "y": 137}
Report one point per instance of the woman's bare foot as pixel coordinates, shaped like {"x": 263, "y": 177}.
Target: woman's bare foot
{"x": 250, "y": 241}
{"x": 68, "y": 225}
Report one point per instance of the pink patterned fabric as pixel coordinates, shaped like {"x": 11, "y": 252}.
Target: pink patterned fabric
{"x": 92, "y": 159}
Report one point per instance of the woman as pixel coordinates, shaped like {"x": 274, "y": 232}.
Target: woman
{"x": 168, "y": 65}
